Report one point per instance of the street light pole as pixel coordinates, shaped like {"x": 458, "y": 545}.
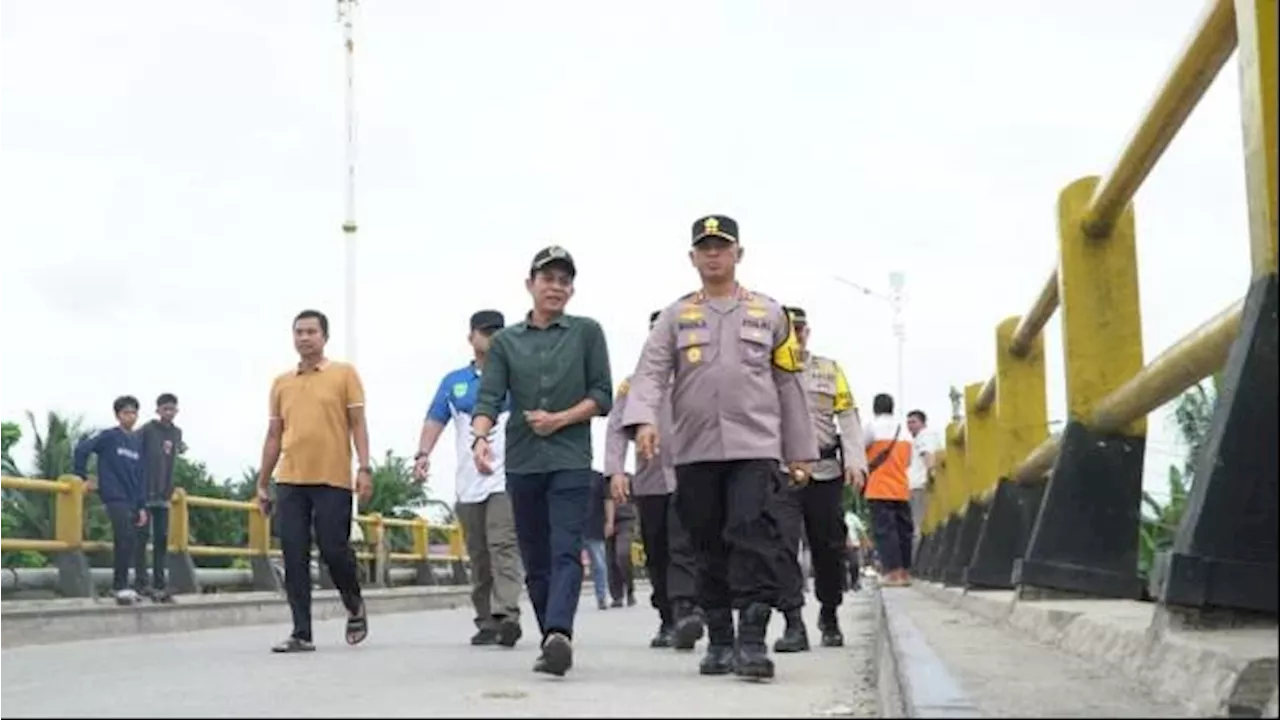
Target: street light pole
{"x": 897, "y": 281}
{"x": 346, "y": 16}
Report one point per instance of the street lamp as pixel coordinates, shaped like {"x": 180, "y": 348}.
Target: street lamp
{"x": 894, "y": 298}
{"x": 346, "y": 16}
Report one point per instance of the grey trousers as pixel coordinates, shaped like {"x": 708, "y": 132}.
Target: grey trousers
{"x": 497, "y": 572}
{"x": 919, "y": 497}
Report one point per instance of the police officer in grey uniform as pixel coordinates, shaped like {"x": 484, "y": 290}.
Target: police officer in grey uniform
{"x": 669, "y": 557}
{"x": 815, "y": 509}
{"x": 738, "y": 407}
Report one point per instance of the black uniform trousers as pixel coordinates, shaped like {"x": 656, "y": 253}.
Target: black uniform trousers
{"x": 327, "y": 510}
{"x": 668, "y": 554}
{"x": 815, "y": 510}
{"x": 729, "y": 510}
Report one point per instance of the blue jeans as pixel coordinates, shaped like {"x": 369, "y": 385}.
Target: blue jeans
{"x": 550, "y": 509}
{"x": 599, "y": 569}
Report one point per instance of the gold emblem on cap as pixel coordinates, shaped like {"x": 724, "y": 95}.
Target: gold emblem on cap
{"x": 693, "y": 355}
{"x": 557, "y": 252}
{"x": 711, "y": 226}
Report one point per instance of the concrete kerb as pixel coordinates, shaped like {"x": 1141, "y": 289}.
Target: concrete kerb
{"x": 911, "y": 679}
{"x": 1228, "y": 672}
{"x": 32, "y": 623}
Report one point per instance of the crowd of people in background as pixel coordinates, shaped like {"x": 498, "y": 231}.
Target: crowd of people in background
{"x": 744, "y": 443}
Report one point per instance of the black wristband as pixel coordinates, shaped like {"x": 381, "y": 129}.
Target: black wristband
{"x": 477, "y": 439}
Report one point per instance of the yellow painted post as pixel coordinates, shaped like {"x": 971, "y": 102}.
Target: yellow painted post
{"x": 1021, "y": 424}
{"x": 931, "y": 543}
{"x": 381, "y": 558}
{"x": 68, "y": 513}
{"x": 955, "y": 499}
{"x": 1096, "y": 481}
{"x": 259, "y": 532}
{"x": 981, "y": 446}
{"x": 1256, "y": 30}
{"x": 420, "y": 542}
{"x": 456, "y": 549}
{"x": 179, "y": 522}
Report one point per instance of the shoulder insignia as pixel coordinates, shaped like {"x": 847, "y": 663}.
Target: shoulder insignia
{"x": 623, "y": 387}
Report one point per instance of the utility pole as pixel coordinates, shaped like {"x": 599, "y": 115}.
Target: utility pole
{"x": 895, "y": 300}
{"x": 346, "y": 17}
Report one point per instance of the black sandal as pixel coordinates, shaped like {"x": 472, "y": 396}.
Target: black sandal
{"x": 293, "y": 645}
{"x": 358, "y": 627}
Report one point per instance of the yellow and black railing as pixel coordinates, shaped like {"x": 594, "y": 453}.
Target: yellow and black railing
{"x": 1014, "y": 506}
{"x": 68, "y": 545}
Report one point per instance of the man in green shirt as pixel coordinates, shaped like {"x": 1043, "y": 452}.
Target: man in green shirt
{"x": 556, "y": 369}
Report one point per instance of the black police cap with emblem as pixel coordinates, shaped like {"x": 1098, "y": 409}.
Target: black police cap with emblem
{"x": 552, "y": 255}
{"x": 719, "y": 226}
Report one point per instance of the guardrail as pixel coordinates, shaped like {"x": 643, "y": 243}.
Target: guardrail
{"x": 1012, "y": 506}
{"x": 68, "y": 546}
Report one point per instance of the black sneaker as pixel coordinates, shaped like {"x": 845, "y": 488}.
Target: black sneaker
{"x": 557, "y": 655}
{"x": 509, "y": 632}
{"x": 616, "y": 603}
{"x": 485, "y": 636}
{"x": 293, "y": 645}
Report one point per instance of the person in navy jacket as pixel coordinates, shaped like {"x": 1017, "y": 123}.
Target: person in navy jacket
{"x": 119, "y": 485}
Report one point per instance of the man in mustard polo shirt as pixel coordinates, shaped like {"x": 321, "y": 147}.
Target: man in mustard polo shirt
{"x": 316, "y": 413}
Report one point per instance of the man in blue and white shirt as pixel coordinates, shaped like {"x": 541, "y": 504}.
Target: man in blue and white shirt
{"x": 483, "y": 506}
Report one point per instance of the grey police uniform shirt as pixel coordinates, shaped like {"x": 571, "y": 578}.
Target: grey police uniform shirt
{"x": 655, "y": 477}
{"x": 731, "y": 398}
{"x": 833, "y": 405}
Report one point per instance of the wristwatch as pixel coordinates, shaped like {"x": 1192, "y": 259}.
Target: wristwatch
{"x": 477, "y": 439}
{"x": 364, "y": 469}
{"x": 420, "y": 454}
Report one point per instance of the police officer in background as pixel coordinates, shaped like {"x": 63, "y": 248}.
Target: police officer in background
{"x": 669, "y": 557}
{"x": 738, "y": 407}
{"x": 816, "y": 508}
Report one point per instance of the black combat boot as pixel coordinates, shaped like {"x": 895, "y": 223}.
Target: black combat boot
{"x": 719, "y": 659}
{"x": 830, "y": 627}
{"x": 662, "y": 638}
{"x": 795, "y": 638}
{"x": 752, "y": 661}
{"x": 687, "y": 629}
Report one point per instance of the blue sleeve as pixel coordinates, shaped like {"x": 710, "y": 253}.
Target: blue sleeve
{"x": 439, "y": 410}
{"x": 85, "y": 448}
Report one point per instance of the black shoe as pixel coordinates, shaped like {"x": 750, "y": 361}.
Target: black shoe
{"x": 485, "y": 636}
{"x": 795, "y": 638}
{"x": 631, "y": 601}
{"x": 662, "y": 638}
{"x": 293, "y": 645}
{"x": 687, "y": 632}
{"x": 752, "y": 661}
{"x": 719, "y": 659}
{"x": 830, "y": 627}
{"x": 509, "y": 632}
{"x": 617, "y": 603}
{"x": 557, "y": 655}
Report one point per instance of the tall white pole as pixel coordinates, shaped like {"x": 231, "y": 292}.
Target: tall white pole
{"x": 896, "y": 282}
{"x": 346, "y": 15}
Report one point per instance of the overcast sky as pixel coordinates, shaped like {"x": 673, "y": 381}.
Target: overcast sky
{"x": 171, "y": 184}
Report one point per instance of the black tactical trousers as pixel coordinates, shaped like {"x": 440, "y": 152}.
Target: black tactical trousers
{"x": 668, "y": 554}
{"x": 729, "y": 510}
{"x": 815, "y": 511}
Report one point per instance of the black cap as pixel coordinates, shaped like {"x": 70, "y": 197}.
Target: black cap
{"x": 797, "y": 315}
{"x": 653, "y": 316}
{"x": 721, "y": 226}
{"x": 551, "y": 255}
{"x": 487, "y": 320}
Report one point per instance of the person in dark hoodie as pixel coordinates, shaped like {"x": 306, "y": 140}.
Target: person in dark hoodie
{"x": 119, "y": 485}
{"x": 161, "y": 445}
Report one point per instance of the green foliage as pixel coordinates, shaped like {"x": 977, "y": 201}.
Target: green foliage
{"x": 12, "y": 434}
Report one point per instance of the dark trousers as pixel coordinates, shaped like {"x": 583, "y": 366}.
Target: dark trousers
{"x": 891, "y": 523}
{"x": 550, "y": 510}
{"x": 668, "y": 554}
{"x": 815, "y": 511}
{"x": 299, "y": 508}
{"x": 124, "y": 536}
{"x": 854, "y": 579}
{"x": 622, "y": 582}
{"x": 156, "y": 530}
{"x": 729, "y": 510}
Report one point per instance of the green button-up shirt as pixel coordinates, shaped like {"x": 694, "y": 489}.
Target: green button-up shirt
{"x": 552, "y": 369}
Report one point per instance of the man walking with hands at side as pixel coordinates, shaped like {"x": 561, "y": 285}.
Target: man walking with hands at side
{"x": 556, "y": 369}
{"x": 483, "y": 508}
{"x": 738, "y": 407}
{"x": 316, "y": 414}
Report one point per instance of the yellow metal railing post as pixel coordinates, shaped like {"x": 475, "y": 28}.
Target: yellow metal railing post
{"x": 420, "y": 540}
{"x": 1256, "y": 31}
{"x": 179, "y": 522}
{"x": 1021, "y": 425}
{"x": 955, "y": 499}
{"x": 68, "y": 513}
{"x": 980, "y": 448}
{"x": 931, "y": 542}
{"x": 1096, "y": 481}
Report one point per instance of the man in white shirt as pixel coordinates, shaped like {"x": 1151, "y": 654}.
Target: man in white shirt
{"x": 924, "y": 446}
{"x": 483, "y": 508}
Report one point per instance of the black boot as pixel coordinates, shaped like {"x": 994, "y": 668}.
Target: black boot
{"x": 795, "y": 638}
{"x": 752, "y": 661}
{"x": 662, "y": 638}
{"x": 830, "y": 627}
{"x": 719, "y": 657}
{"x": 687, "y": 629}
